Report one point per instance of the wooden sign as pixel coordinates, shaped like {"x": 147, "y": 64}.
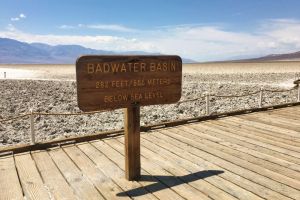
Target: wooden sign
{"x": 109, "y": 81}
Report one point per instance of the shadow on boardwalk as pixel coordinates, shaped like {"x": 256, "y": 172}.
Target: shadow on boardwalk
{"x": 163, "y": 182}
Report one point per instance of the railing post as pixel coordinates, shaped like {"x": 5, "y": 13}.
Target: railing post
{"x": 260, "y": 98}
{"x": 32, "y": 127}
{"x": 4, "y": 74}
{"x": 207, "y": 103}
{"x": 298, "y": 97}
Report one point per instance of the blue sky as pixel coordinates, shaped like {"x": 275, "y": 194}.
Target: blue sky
{"x": 197, "y": 29}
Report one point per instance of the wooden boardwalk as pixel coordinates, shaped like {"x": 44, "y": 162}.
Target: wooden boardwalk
{"x": 252, "y": 156}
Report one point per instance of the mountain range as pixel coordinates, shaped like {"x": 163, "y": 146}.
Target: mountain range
{"x": 16, "y": 52}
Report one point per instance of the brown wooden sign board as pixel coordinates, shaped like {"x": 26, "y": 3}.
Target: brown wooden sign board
{"x": 109, "y": 81}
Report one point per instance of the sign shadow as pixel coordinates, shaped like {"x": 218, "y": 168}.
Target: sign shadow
{"x": 164, "y": 182}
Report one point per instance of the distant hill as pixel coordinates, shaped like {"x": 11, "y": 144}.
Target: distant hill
{"x": 282, "y": 57}
{"x": 276, "y": 57}
{"x": 16, "y": 52}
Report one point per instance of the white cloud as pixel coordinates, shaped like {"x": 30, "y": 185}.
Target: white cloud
{"x": 22, "y": 15}
{"x": 111, "y": 27}
{"x": 200, "y": 42}
{"x": 215, "y": 43}
{"x": 66, "y": 27}
{"x": 15, "y": 19}
{"x": 285, "y": 32}
{"x": 107, "y": 27}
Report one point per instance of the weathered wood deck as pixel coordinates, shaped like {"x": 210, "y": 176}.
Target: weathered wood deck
{"x": 252, "y": 156}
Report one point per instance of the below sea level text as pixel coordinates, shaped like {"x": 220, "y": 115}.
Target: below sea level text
{"x": 135, "y": 97}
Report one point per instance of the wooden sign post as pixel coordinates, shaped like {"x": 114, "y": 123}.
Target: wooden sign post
{"x": 132, "y": 142}
{"x": 111, "y": 82}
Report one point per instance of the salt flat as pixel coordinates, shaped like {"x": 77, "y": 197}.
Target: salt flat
{"x": 67, "y": 72}
{"x": 243, "y": 67}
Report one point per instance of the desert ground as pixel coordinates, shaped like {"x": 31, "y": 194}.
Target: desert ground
{"x": 52, "y": 89}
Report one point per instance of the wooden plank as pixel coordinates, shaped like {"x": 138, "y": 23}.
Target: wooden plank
{"x": 260, "y": 125}
{"x": 104, "y": 184}
{"x": 10, "y": 187}
{"x": 286, "y": 119}
{"x": 132, "y": 188}
{"x": 82, "y": 187}
{"x": 117, "y": 81}
{"x": 245, "y": 142}
{"x": 295, "y": 150}
{"x": 161, "y": 176}
{"x": 274, "y": 121}
{"x": 285, "y": 123}
{"x": 256, "y": 153}
{"x": 259, "y": 132}
{"x": 217, "y": 187}
{"x": 205, "y": 180}
{"x": 193, "y": 134}
{"x": 273, "y": 181}
{"x": 290, "y": 110}
{"x": 261, "y": 142}
{"x": 132, "y": 142}
{"x": 224, "y": 135}
{"x": 149, "y": 181}
{"x": 249, "y": 124}
{"x": 286, "y": 115}
{"x": 187, "y": 152}
{"x": 52, "y": 177}
{"x": 32, "y": 184}
{"x": 278, "y": 121}
{"x": 175, "y": 184}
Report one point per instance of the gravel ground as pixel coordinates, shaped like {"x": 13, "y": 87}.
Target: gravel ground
{"x": 18, "y": 96}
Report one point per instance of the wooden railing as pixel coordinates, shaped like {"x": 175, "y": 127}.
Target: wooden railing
{"x": 207, "y": 96}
